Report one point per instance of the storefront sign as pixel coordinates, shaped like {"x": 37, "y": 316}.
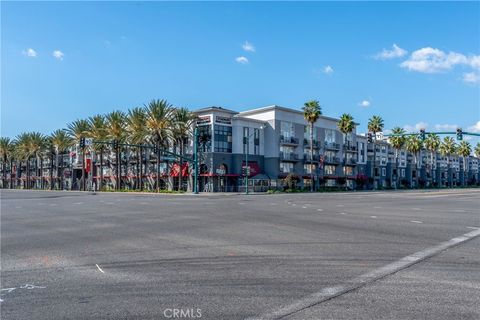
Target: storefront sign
{"x": 203, "y": 120}
{"x": 224, "y": 120}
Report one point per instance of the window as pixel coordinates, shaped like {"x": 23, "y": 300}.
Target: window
{"x": 361, "y": 148}
{"x": 287, "y": 150}
{"x": 329, "y": 170}
{"x": 329, "y": 136}
{"x": 205, "y": 138}
{"x": 245, "y": 139}
{"x": 307, "y": 168}
{"x": 256, "y": 141}
{"x": 286, "y": 167}
{"x": 286, "y": 129}
{"x": 223, "y": 138}
{"x": 348, "y": 171}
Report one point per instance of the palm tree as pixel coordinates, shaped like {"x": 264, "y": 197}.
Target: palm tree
{"x": 311, "y": 112}
{"x": 116, "y": 131}
{"x": 98, "y": 133}
{"x": 6, "y": 152}
{"x": 432, "y": 143}
{"x": 464, "y": 149}
{"x": 477, "y": 150}
{"x": 397, "y": 141}
{"x": 22, "y": 151}
{"x": 414, "y": 144}
{"x": 183, "y": 121}
{"x": 447, "y": 148}
{"x": 61, "y": 142}
{"x": 375, "y": 124}
{"x": 78, "y": 130}
{"x": 346, "y": 125}
{"x": 137, "y": 134}
{"x": 159, "y": 118}
{"x": 37, "y": 142}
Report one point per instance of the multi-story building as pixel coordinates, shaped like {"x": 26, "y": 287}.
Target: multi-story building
{"x": 276, "y": 141}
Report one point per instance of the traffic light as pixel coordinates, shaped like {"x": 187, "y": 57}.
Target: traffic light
{"x": 459, "y": 134}
{"x": 115, "y": 144}
{"x": 369, "y": 137}
{"x": 422, "y": 134}
{"x": 155, "y": 149}
{"x": 82, "y": 142}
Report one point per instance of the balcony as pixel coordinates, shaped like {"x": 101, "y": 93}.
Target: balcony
{"x": 350, "y": 162}
{"x": 331, "y": 160}
{"x": 332, "y": 146}
{"x": 349, "y": 148}
{"x": 316, "y": 144}
{"x": 288, "y": 140}
{"x": 308, "y": 157}
{"x": 285, "y": 156}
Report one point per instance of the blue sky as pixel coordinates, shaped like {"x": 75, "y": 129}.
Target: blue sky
{"x": 61, "y": 61}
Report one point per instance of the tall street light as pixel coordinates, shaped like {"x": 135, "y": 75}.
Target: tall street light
{"x": 247, "y": 167}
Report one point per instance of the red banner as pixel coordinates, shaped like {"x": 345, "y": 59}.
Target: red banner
{"x": 88, "y": 165}
{"x": 175, "y": 171}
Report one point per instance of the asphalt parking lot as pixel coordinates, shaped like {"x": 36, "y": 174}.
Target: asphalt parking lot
{"x": 69, "y": 255}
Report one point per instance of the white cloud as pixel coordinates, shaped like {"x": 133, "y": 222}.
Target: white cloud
{"x": 247, "y": 46}
{"x": 364, "y": 103}
{"x": 242, "y": 60}
{"x": 416, "y": 127}
{"x": 108, "y": 43}
{"x": 396, "y": 52}
{"x": 328, "y": 69}
{"x": 57, "y": 54}
{"x": 432, "y": 60}
{"x": 475, "y": 128}
{"x": 446, "y": 127}
{"x": 30, "y": 53}
{"x": 470, "y": 77}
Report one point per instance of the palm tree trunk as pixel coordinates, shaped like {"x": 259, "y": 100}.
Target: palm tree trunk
{"x": 51, "y": 171}
{"x": 311, "y": 157}
{"x": 4, "y": 169}
{"x": 374, "y": 156}
{"x": 139, "y": 156}
{"x": 117, "y": 169}
{"x": 11, "y": 173}
{"x": 100, "y": 184}
{"x": 158, "y": 168}
{"x": 83, "y": 170}
{"x": 181, "y": 165}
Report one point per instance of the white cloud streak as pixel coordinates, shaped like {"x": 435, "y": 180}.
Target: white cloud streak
{"x": 471, "y": 77}
{"x": 242, "y": 60}
{"x": 475, "y": 128}
{"x": 416, "y": 127}
{"x": 364, "y": 103}
{"x": 30, "y": 53}
{"x": 328, "y": 69}
{"x": 247, "y": 46}
{"x": 396, "y": 52}
{"x": 432, "y": 60}
{"x": 446, "y": 127}
{"x": 57, "y": 54}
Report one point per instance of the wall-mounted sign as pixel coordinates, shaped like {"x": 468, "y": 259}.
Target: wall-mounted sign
{"x": 224, "y": 120}
{"x": 203, "y": 120}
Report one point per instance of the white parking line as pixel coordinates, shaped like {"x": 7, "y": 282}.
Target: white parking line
{"x": 373, "y": 217}
{"x": 367, "y": 278}
{"x": 342, "y": 212}
{"x": 319, "y": 209}
{"x": 416, "y": 221}
{"x": 474, "y": 228}
{"x": 100, "y": 269}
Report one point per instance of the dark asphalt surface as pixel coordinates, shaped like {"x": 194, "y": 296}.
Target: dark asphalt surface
{"x": 235, "y": 256}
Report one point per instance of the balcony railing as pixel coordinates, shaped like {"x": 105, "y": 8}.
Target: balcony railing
{"x": 349, "y": 148}
{"x": 331, "y": 160}
{"x": 285, "y": 156}
{"x": 350, "y": 161}
{"x": 308, "y": 157}
{"x": 332, "y": 146}
{"x": 316, "y": 144}
{"x": 288, "y": 140}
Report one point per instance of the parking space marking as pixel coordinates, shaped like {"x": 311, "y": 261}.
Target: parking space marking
{"x": 99, "y": 269}
{"x": 373, "y": 217}
{"x": 363, "y": 280}
{"x": 416, "y": 221}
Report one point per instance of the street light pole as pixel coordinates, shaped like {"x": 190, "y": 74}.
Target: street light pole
{"x": 247, "y": 171}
